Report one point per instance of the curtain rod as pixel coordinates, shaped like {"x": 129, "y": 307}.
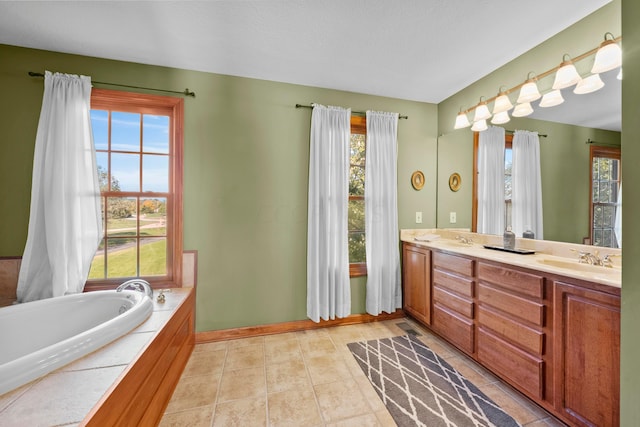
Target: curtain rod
{"x": 186, "y": 92}
{"x": 540, "y": 134}
{"x": 358, "y": 113}
{"x": 590, "y": 141}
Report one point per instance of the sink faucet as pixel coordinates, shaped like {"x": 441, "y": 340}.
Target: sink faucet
{"x": 464, "y": 240}
{"x": 594, "y": 258}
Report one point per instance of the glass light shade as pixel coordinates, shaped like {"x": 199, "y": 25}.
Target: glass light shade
{"x": 500, "y": 118}
{"x": 589, "y": 84}
{"x": 552, "y": 99}
{"x": 522, "y": 110}
{"x": 482, "y": 112}
{"x": 529, "y": 92}
{"x": 461, "y": 121}
{"x": 479, "y": 126}
{"x": 502, "y": 103}
{"x": 566, "y": 76}
{"x": 608, "y": 57}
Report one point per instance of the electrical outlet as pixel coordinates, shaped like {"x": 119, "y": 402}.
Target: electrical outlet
{"x": 418, "y": 217}
{"x": 452, "y": 217}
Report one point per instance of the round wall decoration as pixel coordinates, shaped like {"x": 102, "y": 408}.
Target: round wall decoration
{"x": 417, "y": 180}
{"x": 455, "y": 181}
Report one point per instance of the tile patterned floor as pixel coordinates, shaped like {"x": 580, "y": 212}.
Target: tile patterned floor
{"x": 309, "y": 379}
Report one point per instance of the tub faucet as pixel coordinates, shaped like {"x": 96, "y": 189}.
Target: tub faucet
{"x": 136, "y": 285}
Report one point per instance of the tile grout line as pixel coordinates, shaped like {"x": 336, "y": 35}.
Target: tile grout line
{"x": 219, "y": 387}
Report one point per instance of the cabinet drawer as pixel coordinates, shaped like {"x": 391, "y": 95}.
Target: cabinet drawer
{"x": 522, "y": 308}
{"x": 456, "y": 329}
{"x": 454, "y": 302}
{"x": 526, "y": 283}
{"x": 519, "y": 334}
{"x": 453, "y": 263}
{"x": 457, "y": 284}
{"x": 520, "y": 368}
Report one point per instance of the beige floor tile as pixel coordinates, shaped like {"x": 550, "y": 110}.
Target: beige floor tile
{"x": 327, "y": 369}
{"x": 287, "y": 376}
{"x": 367, "y": 420}
{"x": 250, "y": 412}
{"x": 282, "y": 351}
{"x": 242, "y": 384}
{"x": 287, "y": 336}
{"x": 251, "y": 356}
{"x": 193, "y": 392}
{"x": 243, "y": 342}
{"x": 339, "y": 400}
{"x": 196, "y": 417}
{"x": 317, "y": 346}
{"x": 211, "y": 346}
{"x": 205, "y": 363}
{"x": 294, "y": 408}
{"x": 370, "y": 394}
{"x": 385, "y": 419}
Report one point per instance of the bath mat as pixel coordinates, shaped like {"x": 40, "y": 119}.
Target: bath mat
{"x": 421, "y": 389}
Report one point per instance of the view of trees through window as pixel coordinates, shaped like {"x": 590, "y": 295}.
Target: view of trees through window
{"x": 132, "y": 153}
{"x": 357, "y": 249}
{"x": 604, "y": 192}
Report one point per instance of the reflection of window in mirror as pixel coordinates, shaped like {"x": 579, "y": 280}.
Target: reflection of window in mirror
{"x": 357, "y": 251}
{"x": 605, "y": 185}
{"x": 508, "y": 140}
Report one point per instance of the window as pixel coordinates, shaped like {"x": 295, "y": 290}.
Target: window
{"x": 508, "y": 168}
{"x": 605, "y": 183}
{"x": 138, "y": 140}
{"x": 357, "y": 247}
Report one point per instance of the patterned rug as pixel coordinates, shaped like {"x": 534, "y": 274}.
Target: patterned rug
{"x": 421, "y": 389}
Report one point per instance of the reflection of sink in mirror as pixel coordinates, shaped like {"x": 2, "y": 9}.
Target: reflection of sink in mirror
{"x": 575, "y": 265}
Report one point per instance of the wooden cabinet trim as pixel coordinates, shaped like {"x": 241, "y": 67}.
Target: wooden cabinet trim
{"x": 525, "y": 283}
{"x": 454, "y": 263}
{"x": 456, "y": 303}
{"x": 458, "y": 284}
{"x": 527, "y": 310}
{"x": 458, "y": 329}
{"x": 527, "y": 338}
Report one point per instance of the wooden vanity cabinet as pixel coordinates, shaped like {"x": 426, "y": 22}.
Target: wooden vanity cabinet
{"x": 513, "y": 328}
{"x": 587, "y": 355}
{"x": 416, "y": 280}
{"x": 453, "y": 305}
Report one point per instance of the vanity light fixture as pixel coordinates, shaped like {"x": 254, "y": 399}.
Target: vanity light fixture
{"x": 551, "y": 99}
{"x": 482, "y": 111}
{"x": 567, "y": 75}
{"x": 522, "y": 110}
{"x": 479, "y": 125}
{"x": 529, "y": 90}
{"x": 589, "y": 84}
{"x": 462, "y": 121}
{"x": 608, "y": 56}
{"x": 502, "y": 103}
{"x": 500, "y": 118}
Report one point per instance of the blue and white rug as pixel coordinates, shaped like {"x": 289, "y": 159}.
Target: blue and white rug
{"x": 421, "y": 389}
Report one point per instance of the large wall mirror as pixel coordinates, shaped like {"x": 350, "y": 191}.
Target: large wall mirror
{"x": 572, "y": 128}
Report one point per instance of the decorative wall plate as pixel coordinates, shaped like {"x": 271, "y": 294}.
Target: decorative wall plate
{"x": 417, "y": 180}
{"x": 455, "y": 181}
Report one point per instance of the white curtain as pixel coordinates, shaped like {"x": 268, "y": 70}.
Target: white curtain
{"x": 527, "y": 187}
{"x": 381, "y": 214}
{"x": 491, "y": 201}
{"x": 328, "y": 286}
{"x": 65, "y": 225}
{"x": 617, "y": 227}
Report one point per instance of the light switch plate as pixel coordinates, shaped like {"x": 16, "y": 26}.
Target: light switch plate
{"x": 418, "y": 217}
{"x": 452, "y": 217}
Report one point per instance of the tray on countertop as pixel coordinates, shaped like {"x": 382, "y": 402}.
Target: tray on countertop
{"x": 515, "y": 251}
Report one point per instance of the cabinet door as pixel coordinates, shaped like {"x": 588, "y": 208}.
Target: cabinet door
{"x": 417, "y": 282}
{"x": 587, "y": 339}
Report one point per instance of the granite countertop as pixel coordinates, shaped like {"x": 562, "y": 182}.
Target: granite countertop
{"x": 550, "y": 257}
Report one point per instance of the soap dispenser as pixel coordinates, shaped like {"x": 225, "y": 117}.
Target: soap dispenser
{"x": 528, "y": 234}
{"x": 509, "y": 239}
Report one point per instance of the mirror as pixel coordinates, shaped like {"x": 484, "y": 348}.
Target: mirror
{"x": 565, "y": 153}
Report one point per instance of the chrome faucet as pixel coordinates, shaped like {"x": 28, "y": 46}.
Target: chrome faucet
{"x": 137, "y": 285}
{"x": 585, "y": 257}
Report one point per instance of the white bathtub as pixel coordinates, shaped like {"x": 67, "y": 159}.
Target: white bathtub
{"x": 41, "y": 336}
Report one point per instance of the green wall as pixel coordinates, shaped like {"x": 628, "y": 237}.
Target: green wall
{"x": 630, "y": 374}
{"x": 564, "y": 154}
{"x": 245, "y": 180}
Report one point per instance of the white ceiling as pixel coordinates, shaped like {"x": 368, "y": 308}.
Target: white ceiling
{"x": 412, "y": 49}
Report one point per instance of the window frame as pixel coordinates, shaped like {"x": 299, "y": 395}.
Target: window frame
{"x": 358, "y": 126}
{"x": 114, "y": 100}
{"x": 508, "y": 143}
{"x": 601, "y": 152}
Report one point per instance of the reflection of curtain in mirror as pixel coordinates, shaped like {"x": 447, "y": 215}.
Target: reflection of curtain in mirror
{"x": 617, "y": 228}
{"x": 527, "y": 187}
{"x": 491, "y": 204}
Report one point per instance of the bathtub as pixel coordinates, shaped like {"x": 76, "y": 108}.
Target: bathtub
{"x": 41, "y": 336}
